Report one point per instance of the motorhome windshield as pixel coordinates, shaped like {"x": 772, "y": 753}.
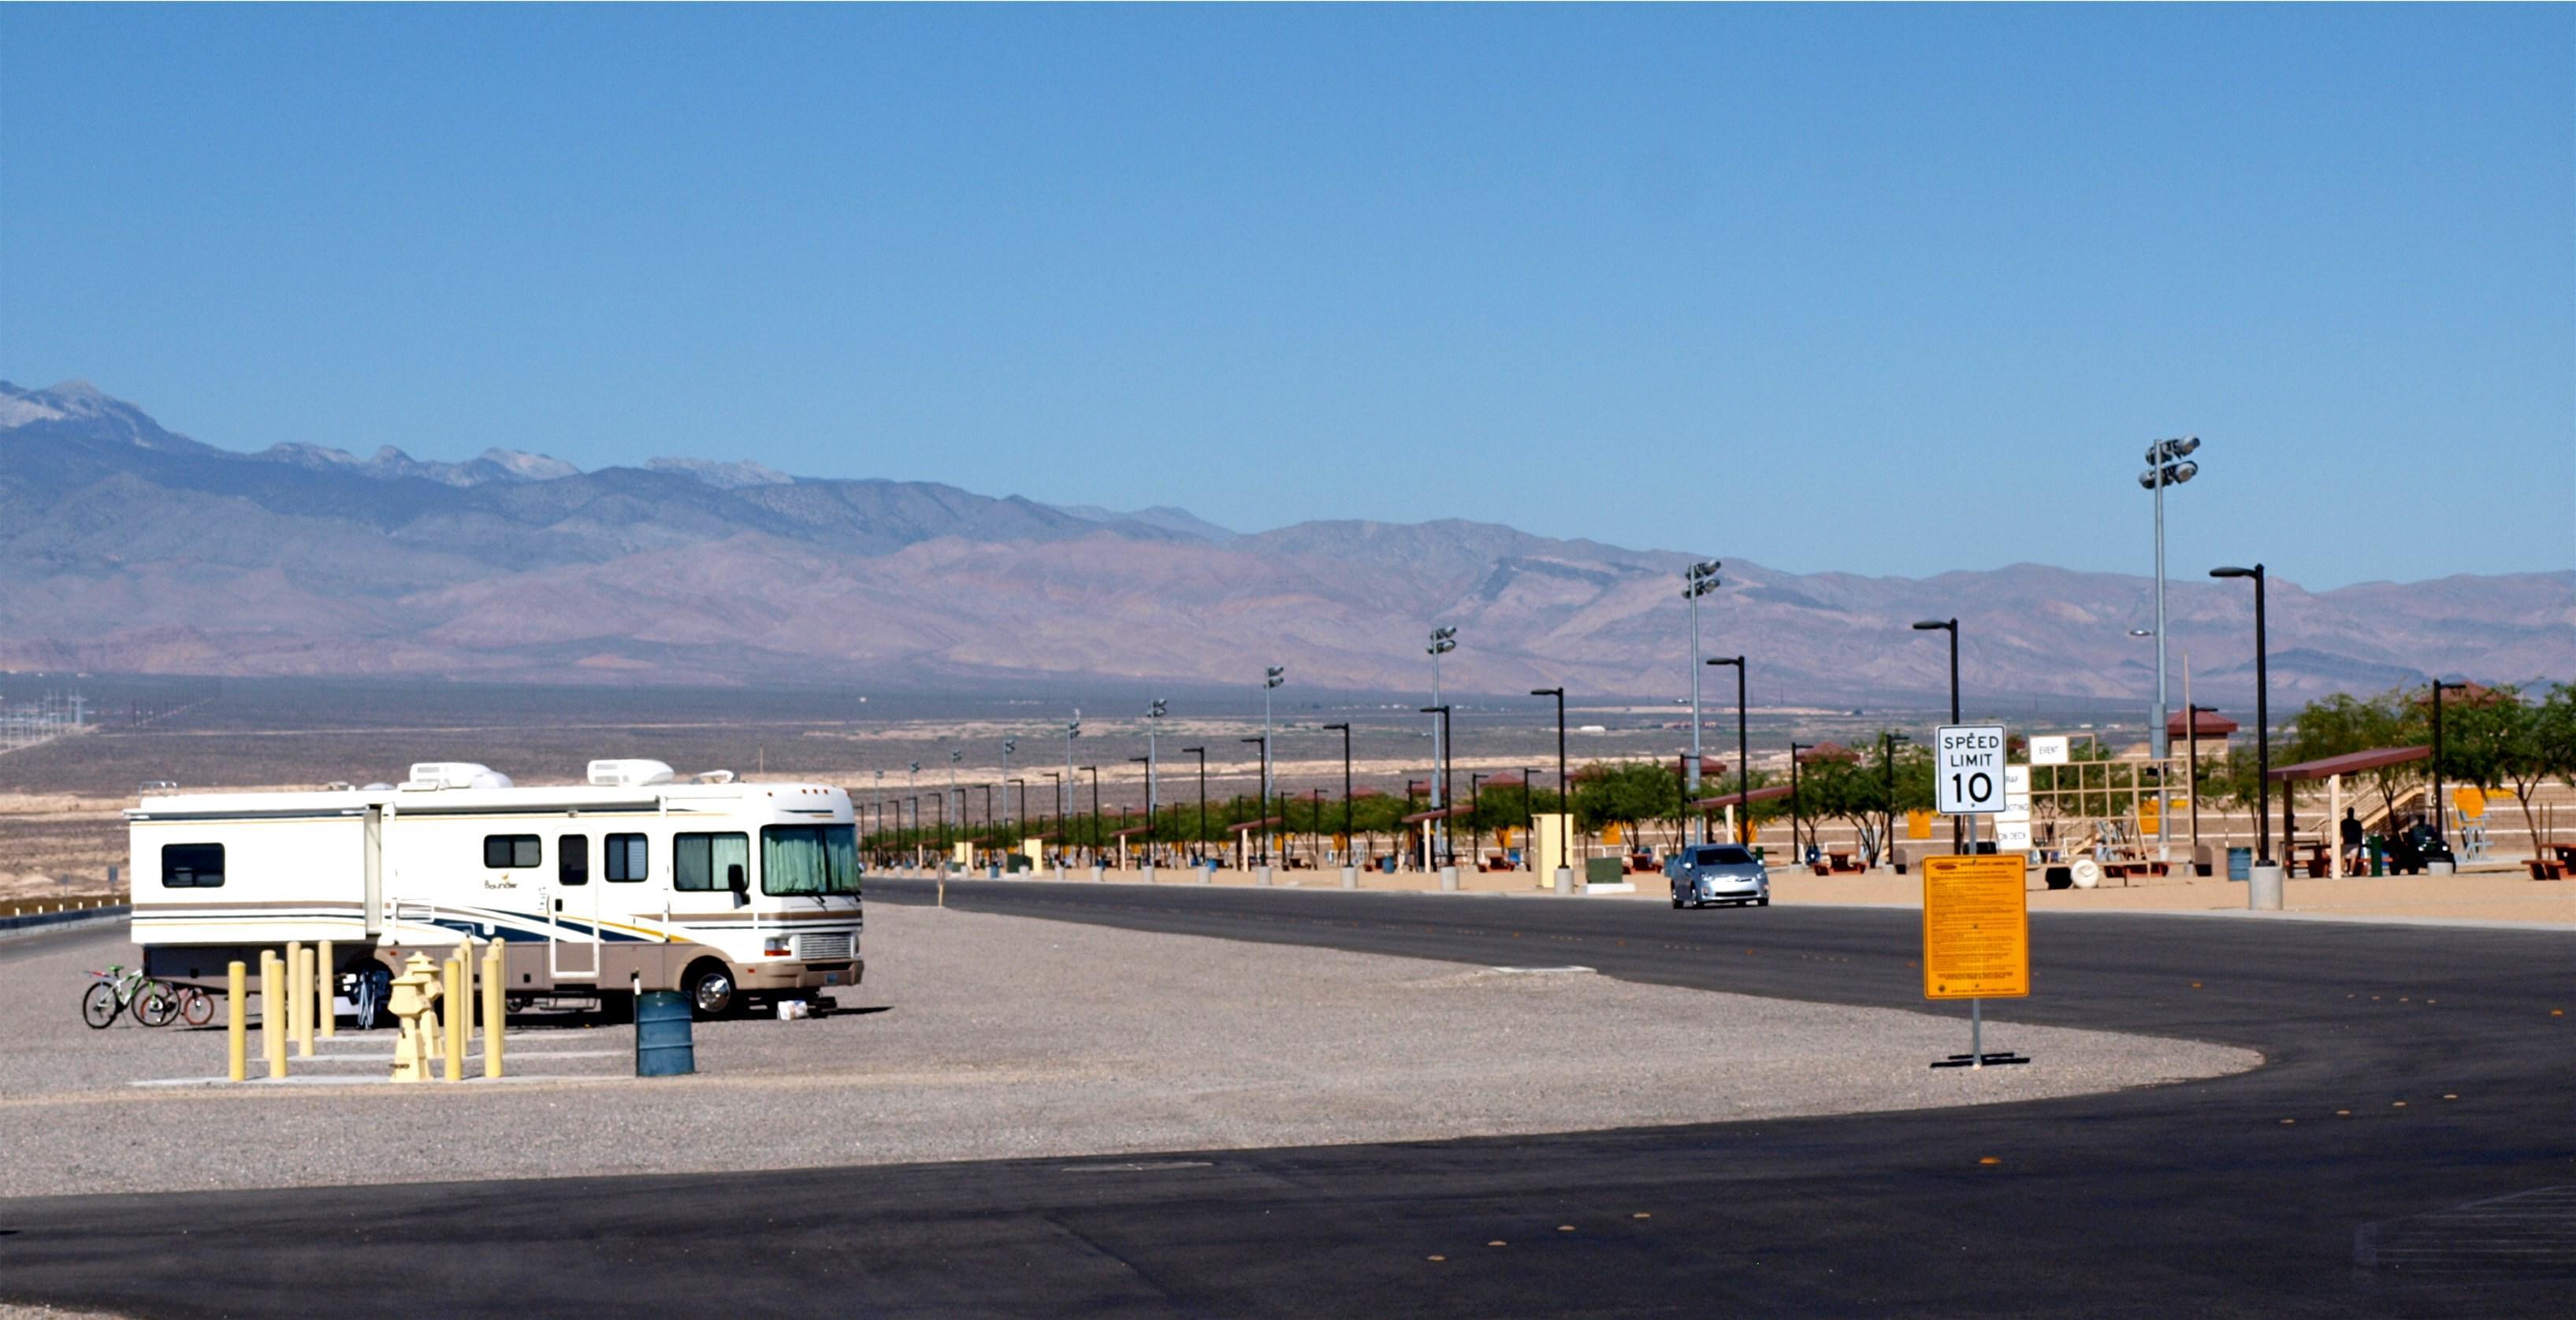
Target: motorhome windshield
{"x": 809, "y": 859}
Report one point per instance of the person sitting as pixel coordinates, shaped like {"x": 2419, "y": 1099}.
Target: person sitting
{"x": 2351, "y": 842}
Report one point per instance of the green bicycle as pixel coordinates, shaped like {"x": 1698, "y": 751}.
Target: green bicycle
{"x": 122, "y": 988}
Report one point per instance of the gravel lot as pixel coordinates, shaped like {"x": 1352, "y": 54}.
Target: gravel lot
{"x": 988, "y": 1036}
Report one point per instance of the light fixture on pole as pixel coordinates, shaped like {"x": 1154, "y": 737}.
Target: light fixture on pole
{"x": 2167, "y": 465}
{"x": 2262, "y": 725}
{"x": 1261, "y": 812}
{"x": 1009, "y": 745}
{"x": 1443, "y": 641}
{"x": 1153, "y": 795}
{"x": 1564, "y": 797}
{"x": 1064, "y": 800}
{"x": 1345, "y": 730}
{"x": 1698, "y": 580}
{"x": 1201, "y": 753}
{"x": 1440, "y": 783}
{"x": 1271, "y": 678}
{"x": 1960, "y": 826}
{"x": 1743, "y": 748}
{"x": 2441, "y": 822}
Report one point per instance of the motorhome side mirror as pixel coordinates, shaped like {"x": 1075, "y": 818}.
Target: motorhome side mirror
{"x": 734, "y": 879}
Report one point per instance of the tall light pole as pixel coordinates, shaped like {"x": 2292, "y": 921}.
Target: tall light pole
{"x": 1443, "y": 641}
{"x": 1887, "y": 742}
{"x": 2262, "y": 720}
{"x": 1153, "y": 797}
{"x": 1064, "y": 807}
{"x": 1564, "y": 796}
{"x": 1261, "y": 813}
{"x": 1009, "y": 745}
{"x": 1345, "y": 729}
{"x": 1271, "y": 678}
{"x": 1743, "y": 748}
{"x": 1440, "y": 781}
{"x": 1960, "y": 837}
{"x": 1094, "y": 772}
{"x": 1148, "y": 763}
{"x": 911, "y": 782}
{"x": 2166, "y": 466}
{"x": 1797, "y": 846}
{"x": 1055, "y": 789}
{"x": 1007, "y": 831}
{"x": 1697, "y": 581}
{"x": 2441, "y": 823}
{"x": 1201, "y": 753}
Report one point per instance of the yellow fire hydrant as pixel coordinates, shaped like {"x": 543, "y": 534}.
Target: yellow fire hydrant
{"x": 415, "y": 994}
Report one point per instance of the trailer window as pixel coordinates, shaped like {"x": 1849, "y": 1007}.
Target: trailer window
{"x": 192, "y": 866}
{"x": 626, "y": 858}
{"x": 572, "y": 859}
{"x": 513, "y": 852}
{"x": 705, "y": 861}
{"x": 809, "y": 859}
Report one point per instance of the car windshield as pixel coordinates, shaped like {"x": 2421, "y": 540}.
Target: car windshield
{"x": 1730, "y": 855}
{"x": 809, "y": 859}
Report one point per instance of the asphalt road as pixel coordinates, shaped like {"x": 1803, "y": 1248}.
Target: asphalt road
{"x": 2341, "y": 1179}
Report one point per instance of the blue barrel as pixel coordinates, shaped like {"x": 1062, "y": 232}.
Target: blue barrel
{"x": 2240, "y": 863}
{"x": 662, "y": 1044}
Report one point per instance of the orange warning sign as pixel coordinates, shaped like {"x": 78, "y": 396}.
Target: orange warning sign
{"x": 1976, "y": 927}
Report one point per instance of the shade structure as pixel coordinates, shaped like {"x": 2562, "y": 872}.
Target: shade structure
{"x": 2351, "y": 763}
{"x": 1766, "y": 793}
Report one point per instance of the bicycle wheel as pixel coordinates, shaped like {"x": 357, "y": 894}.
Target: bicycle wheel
{"x": 196, "y": 1007}
{"x": 98, "y": 1005}
{"x": 154, "y": 1006}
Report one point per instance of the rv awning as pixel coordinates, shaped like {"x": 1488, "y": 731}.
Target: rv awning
{"x": 1766, "y": 793}
{"x": 2351, "y": 763}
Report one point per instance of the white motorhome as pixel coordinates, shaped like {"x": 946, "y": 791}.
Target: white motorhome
{"x": 724, "y": 891}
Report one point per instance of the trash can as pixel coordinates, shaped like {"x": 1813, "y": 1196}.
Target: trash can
{"x": 663, "y": 1047}
{"x": 2240, "y": 863}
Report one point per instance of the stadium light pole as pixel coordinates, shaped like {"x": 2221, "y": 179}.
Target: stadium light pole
{"x": 1009, "y": 745}
{"x": 1261, "y": 812}
{"x": 1094, "y": 772}
{"x": 1201, "y": 753}
{"x": 1443, "y": 641}
{"x": 1147, "y": 762}
{"x": 1271, "y": 678}
{"x": 1960, "y": 838}
{"x": 2167, "y": 465}
{"x": 1698, "y": 580}
{"x": 2262, "y": 720}
{"x": 1440, "y": 784}
{"x": 1153, "y": 794}
{"x": 1743, "y": 748}
{"x": 1064, "y": 807}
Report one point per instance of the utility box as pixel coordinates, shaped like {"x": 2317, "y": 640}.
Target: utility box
{"x": 1604, "y": 871}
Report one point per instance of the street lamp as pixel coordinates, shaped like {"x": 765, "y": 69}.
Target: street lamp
{"x": 1697, "y": 581}
{"x": 2166, "y": 466}
{"x": 1064, "y": 804}
{"x": 2262, "y": 720}
{"x": 1443, "y": 641}
{"x": 1261, "y": 811}
{"x": 1564, "y": 797}
{"x": 1743, "y": 753}
{"x": 1201, "y": 753}
{"x": 1887, "y": 761}
{"x": 2441, "y": 823}
{"x": 1958, "y": 824}
{"x": 1346, "y": 787}
{"x": 1440, "y": 783}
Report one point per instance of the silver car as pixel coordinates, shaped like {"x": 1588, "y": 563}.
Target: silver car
{"x": 1707, "y": 873}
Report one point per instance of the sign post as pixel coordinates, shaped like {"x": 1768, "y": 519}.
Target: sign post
{"x": 1976, "y": 941}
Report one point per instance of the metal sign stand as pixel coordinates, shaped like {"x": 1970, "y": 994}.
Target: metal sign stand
{"x": 1976, "y": 1057}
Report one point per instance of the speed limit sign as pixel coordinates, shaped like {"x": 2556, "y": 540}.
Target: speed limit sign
{"x": 1969, "y": 774}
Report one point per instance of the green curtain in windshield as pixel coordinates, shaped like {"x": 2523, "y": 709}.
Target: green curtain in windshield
{"x": 809, "y": 859}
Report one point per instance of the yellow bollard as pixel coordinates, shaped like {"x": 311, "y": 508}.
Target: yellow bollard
{"x": 272, "y": 1011}
{"x": 304, "y": 979}
{"x": 326, "y": 989}
{"x": 458, "y": 1014}
{"x": 465, "y": 957}
{"x": 236, "y": 1021}
{"x": 495, "y": 1010}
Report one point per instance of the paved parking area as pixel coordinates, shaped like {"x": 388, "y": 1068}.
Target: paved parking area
{"x": 983, "y": 1036}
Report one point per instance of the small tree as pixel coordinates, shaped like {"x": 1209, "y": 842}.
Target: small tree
{"x": 1625, "y": 794}
{"x": 2344, "y": 723}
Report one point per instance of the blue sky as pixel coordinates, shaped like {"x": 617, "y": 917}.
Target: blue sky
{"x": 1874, "y": 289}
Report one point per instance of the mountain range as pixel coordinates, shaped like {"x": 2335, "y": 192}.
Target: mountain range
{"x": 129, "y": 548}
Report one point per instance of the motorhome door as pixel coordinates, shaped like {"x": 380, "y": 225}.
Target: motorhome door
{"x": 572, "y": 913}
